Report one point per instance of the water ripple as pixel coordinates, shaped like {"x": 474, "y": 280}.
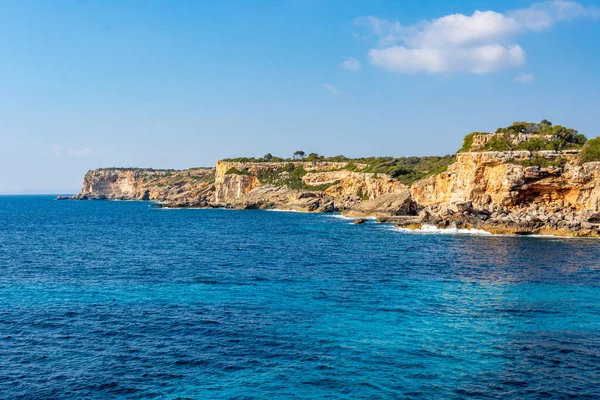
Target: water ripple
{"x": 107, "y": 299}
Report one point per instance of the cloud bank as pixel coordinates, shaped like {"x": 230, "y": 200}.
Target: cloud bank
{"x": 481, "y": 43}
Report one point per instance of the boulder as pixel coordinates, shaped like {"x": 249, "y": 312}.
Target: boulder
{"x": 392, "y": 204}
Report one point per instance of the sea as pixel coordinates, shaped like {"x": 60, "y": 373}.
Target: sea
{"x": 120, "y": 299}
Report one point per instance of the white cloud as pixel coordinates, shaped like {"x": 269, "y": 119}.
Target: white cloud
{"x": 542, "y": 16}
{"x": 476, "y": 60}
{"x": 524, "y": 78}
{"x": 351, "y": 64}
{"x": 73, "y": 153}
{"x": 331, "y": 88}
{"x": 480, "y": 43}
{"x": 459, "y": 29}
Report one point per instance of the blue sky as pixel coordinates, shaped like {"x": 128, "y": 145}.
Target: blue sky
{"x": 176, "y": 84}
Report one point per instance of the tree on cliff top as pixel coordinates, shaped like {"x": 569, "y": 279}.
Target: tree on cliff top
{"x": 314, "y": 157}
{"x": 299, "y": 155}
{"x": 590, "y": 151}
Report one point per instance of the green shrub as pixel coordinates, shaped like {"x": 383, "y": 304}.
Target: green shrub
{"x": 361, "y": 195}
{"x": 590, "y": 151}
{"x": 468, "y": 142}
{"x": 565, "y": 138}
{"x": 235, "y": 171}
{"x": 339, "y": 158}
{"x": 293, "y": 178}
{"x": 535, "y": 144}
{"x": 351, "y": 167}
{"x": 497, "y": 143}
{"x": 322, "y": 187}
{"x": 405, "y": 169}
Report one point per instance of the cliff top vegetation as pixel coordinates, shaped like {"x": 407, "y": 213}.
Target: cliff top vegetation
{"x": 405, "y": 169}
{"x": 529, "y": 136}
{"x": 590, "y": 151}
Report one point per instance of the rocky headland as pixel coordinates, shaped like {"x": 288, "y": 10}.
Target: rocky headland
{"x": 524, "y": 179}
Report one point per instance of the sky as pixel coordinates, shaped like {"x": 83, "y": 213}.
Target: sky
{"x": 176, "y": 84}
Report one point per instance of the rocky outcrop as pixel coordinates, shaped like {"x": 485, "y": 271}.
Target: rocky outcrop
{"x": 191, "y": 186}
{"x": 234, "y": 179}
{"x": 494, "y": 178}
{"x": 494, "y": 192}
{"x": 320, "y": 185}
{"x": 282, "y": 198}
{"x": 231, "y": 187}
{"x": 387, "y": 205}
{"x": 479, "y": 141}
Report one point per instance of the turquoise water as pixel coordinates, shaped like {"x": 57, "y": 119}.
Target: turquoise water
{"x": 119, "y": 299}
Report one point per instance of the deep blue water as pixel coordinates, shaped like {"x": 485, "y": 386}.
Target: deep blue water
{"x": 119, "y": 299}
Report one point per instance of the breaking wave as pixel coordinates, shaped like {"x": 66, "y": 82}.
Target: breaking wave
{"x": 430, "y": 229}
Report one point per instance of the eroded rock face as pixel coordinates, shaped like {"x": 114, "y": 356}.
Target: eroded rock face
{"x": 387, "y": 205}
{"x": 489, "y": 191}
{"x": 350, "y": 184}
{"x": 491, "y": 177}
{"x": 192, "y": 186}
{"x": 334, "y": 187}
{"x": 281, "y": 198}
{"x": 232, "y": 187}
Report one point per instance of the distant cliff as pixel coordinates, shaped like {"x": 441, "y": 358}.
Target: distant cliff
{"x": 524, "y": 179}
{"x": 191, "y": 186}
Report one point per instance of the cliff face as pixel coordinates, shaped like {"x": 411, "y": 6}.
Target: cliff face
{"x": 347, "y": 184}
{"x": 497, "y": 178}
{"x": 232, "y": 186}
{"x": 193, "y": 185}
{"x": 318, "y": 186}
{"x": 499, "y": 192}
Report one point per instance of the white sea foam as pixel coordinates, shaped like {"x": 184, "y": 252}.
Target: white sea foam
{"x": 129, "y": 200}
{"x": 180, "y": 208}
{"x": 340, "y": 216}
{"x": 553, "y": 236}
{"x": 290, "y": 211}
{"x": 430, "y": 229}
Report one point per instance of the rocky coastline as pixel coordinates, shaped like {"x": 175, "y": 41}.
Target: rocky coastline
{"x": 520, "y": 192}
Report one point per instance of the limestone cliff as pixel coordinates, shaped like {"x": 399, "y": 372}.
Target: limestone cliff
{"x": 494, "y": 178}
{"x": 499, "y": 192}
{"x": 312, "y": 186}
{"x": 192, "y": 185}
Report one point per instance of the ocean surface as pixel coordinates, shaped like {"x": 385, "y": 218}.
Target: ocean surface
{"x": 120, "y": 299}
